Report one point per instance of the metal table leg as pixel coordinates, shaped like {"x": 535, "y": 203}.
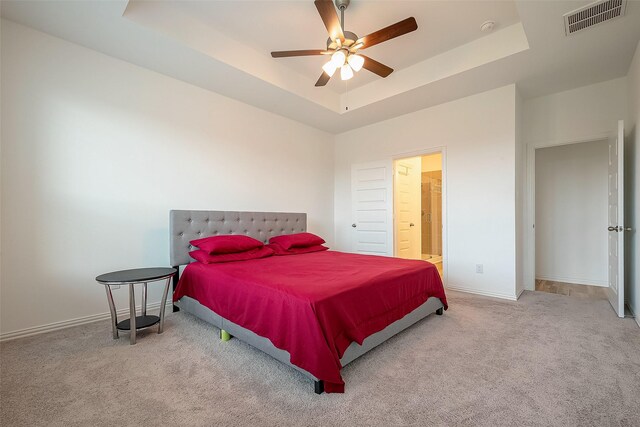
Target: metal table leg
{"x": 114, "y": 315}
{"x": 163, "y": 304}
{"x": 144, "y": 300}
{"x": 132, "y": 314}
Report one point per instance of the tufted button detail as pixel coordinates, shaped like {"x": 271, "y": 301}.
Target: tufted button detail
{"x": 199, "y": 233}
{"x": 207, "y": 220}
{"x": 180, "y": 234}
{"x": 189, "y": 220}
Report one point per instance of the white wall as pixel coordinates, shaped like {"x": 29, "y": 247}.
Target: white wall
{"x": 478, "y": 135}
{"x": 521, "y": 171}
{"x": 1, "y": 173}
{"x": 580, "y": 114}
{"x": 96, "y": 151}
{"x": 632, "y": 187}
{"x": 571, "y": 213}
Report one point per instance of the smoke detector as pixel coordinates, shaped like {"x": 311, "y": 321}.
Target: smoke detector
{"x": 593, "y": 14}
{"x": 487, "y": 26}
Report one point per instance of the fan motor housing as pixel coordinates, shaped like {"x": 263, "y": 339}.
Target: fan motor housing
{"x": 349, "y": 39}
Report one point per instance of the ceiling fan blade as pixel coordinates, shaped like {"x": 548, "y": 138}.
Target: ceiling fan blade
{"x": 323, "y": 80}
{"x": 376, "y": 67}
{"x": 308, "y": 52}
{"x": 392, "y": 31}
{"x": 330, "y": 18}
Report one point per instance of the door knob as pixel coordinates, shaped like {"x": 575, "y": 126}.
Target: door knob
{"x": 613, "y": 228}
{"x": 353, "y": 225}
{"x": 412, "y": 225}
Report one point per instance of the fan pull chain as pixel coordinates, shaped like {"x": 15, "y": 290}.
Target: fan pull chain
{"x": 346, "y": 95}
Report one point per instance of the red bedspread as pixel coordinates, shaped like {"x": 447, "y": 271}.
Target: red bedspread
{"x": 313, "y": 305}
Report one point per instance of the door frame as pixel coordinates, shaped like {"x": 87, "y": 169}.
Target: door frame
{"x": 529, "y": 264}
{"x": 425, "y": 152}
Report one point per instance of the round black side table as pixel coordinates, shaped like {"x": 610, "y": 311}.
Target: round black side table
{"x": 131, "y": 278}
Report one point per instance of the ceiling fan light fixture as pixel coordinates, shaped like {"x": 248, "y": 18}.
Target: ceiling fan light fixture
{"x": 356, "y": 62}
{"x": 346, "y": 72}
{"x": 329, "y": 68}
{"x": 343, "y": 46}
{"x": 338, "y": 58}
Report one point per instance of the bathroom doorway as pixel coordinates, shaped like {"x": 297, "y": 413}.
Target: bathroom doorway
{"x": 418, "y": 214}
{"x": 431, "y": 212}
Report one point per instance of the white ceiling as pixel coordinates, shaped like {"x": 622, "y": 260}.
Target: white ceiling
{"x": 224, "y": 47}
{"x": 267, "y": 26}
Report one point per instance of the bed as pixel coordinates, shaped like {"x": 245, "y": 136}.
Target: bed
{"x": 315, "y": 312}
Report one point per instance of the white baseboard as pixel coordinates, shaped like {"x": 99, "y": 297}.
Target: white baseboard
{"x": 510, "y": 297}
{"x": 55, "y": 326}
{"x": 520, "y": 292}
{"x": 574, "y": 280}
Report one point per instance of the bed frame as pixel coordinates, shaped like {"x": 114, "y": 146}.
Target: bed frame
{"x": 185, "y": 226}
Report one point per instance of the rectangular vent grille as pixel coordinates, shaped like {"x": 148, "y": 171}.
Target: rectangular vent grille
{"x": 592, "y": 14}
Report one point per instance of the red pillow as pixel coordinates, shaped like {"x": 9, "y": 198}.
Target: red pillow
{"x": 279, "y": 250}
{"x": 206, "y": 258}
{"x": 298, "y": 240}
{"x": 227, "y": 244}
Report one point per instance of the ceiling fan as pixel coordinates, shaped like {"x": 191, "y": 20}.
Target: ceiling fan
{"x": 344, "y": 46}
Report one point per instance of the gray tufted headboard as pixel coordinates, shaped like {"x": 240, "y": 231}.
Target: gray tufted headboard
{"x": 185, "y": 226}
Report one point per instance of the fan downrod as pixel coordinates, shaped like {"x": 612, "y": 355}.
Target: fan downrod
{"x": 342, "y": 6}
{"x": 350, "y": 38}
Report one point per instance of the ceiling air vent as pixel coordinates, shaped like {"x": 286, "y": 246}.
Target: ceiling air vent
{"x": 593, "y": 14}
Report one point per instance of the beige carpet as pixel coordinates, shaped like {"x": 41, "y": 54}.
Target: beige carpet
{"x": 544, "y": 360}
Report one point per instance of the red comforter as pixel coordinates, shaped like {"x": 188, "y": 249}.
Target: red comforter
{"x": 313, "y": 305}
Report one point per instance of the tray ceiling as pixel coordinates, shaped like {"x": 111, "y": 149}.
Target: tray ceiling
{"x": 224, "y": 46}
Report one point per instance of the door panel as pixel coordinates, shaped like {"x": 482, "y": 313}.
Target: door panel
{"x": 616, "y": 221}
{"x": 372, "y": 210}
{"x": 407, "y": 207}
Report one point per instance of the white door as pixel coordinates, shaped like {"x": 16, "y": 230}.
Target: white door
{"x": 372, "y": 209}
{"x": 616, "y": 221}
{"x": 407, "y": 207}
